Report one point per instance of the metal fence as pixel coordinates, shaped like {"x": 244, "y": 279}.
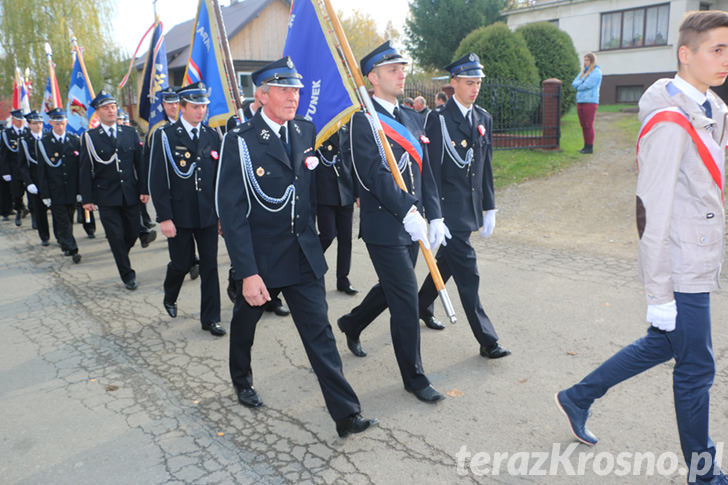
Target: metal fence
{"x": 518, "y": 111}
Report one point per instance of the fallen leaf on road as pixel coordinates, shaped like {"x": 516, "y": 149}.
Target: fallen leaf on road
{"x": 220, "y": 433}
{"x": 455, "y": 393}
{"x": 195, "y": 402}
{"x": 92, "y": 380}
{"x": 112, "y": 388}
{"x": 570, "y": 353}
{"x": 523, "y": 381}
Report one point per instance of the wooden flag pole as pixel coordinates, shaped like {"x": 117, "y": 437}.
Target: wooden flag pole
{"x": 51, "y": 74}
{"x": 77, "y": 50}
{"x": 229, "y": 66}
{"x": 369, "y": 107}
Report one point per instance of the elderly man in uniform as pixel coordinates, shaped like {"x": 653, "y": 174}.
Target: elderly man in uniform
{"x": 460, "y": 150}
{"x": 391, "y": 218}
{"x": 59, "y": 174}
{"x": 182, "y": 171}
{"x": 275, "y": 305}
{"x": 12, "y": 185}
{"x": 30, "y": 172}
{"x": 272, "y": 241}
{"x": 111, "y": 178}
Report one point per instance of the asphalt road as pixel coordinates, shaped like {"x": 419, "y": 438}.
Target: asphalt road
{"x": 98, "y": 385}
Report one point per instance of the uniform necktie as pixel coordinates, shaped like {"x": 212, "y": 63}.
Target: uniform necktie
{"x": 469, "y": 118}
{"x": 397, "y": 115}
{"x": 111, "y": 134}
{"x": 282, "y": 134}
{"x": 194, "y": 135}
{"x": 708, "y": 109}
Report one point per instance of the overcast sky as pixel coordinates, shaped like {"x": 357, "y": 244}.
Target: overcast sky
{"x": 133, "y": 17}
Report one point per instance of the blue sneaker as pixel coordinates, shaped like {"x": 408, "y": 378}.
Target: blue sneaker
{"x": 577, "y": 418}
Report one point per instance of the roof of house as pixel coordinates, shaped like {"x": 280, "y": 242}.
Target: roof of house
{"x": 177, "y": 40}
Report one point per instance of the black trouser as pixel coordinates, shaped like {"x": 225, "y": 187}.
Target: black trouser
{"x": 40, "y": 215}
{"x": 336, "y": 222}
{"x": 90, "y": 226}
{"x": 17, "y": 189}
{"x": 181, "y": 255}
{"x": 121, "y": 224}
{"x": 458, "y": 260}
{"x": 307, "y": 301}
{"x": 6, "y": 200}
{"x": 397, "y": 289}
{"x": 63, "y": 226}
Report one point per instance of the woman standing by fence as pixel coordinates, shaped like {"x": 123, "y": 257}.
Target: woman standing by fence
{"x": 587, "y": 85}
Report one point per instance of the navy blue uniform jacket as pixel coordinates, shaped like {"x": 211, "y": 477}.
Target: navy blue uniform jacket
{"x": 464, "y": 192}
{"x": 261, "y": 242}
{"x": 188, "y": 202}
{"x": 384, "y": 205}
{"x": 103, "y": 184}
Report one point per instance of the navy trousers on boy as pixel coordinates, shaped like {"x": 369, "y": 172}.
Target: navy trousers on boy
{"x": 691, "y": 346}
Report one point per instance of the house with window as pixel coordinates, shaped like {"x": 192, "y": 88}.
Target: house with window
{"x": 256, "y": 31}
{"x": 634, "y": 40}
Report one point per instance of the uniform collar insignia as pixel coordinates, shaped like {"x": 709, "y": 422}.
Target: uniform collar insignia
{"x": 265, "y": 134}
{"x": 295, "y": 127}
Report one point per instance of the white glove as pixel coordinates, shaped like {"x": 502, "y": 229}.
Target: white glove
{"x": 488, "y": 223}
{"x": 7, "y": 178}
{"x": 416, "y": 226}
{"x": 662, "y": 316}
{"x": 79, "y": 198}
{"x": 47, "y": 202}
{"x": 32, "y": 189}
{"x": 439, "y": 233}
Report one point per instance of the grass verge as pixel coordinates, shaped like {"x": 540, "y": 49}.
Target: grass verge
{"x": 514, "y": 166}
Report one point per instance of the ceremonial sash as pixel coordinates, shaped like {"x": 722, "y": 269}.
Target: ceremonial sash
{"x": 673, "y": 116}
{"x": 399, "y": 134}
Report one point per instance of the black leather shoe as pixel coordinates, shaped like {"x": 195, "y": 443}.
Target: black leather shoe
{"x": 195, "y": 271}
{"x": 353, "y": 424}
{"x": 214, "y": 328}
{"x": 6, "y": 218}
{"x": 428, "y": 394}
{"x": 248, "y": 397}
{"x": 280, "y": 310}
{"x": 131, "y": 285}
{"x": 171, "y": 308}
{"x": 577, "y": 418}
{"x": 433, "y": 323}
{"x": 67, "y": 252}
{"x": 231, "y": 291}
{"x": 349, "y": 290}
{"x": 44, "y": 243}
{"x": 18, "y": 218}
{"x": 146, "y": 239}
{"x": 353, "y": 343}
{"x": 494, "y": 352}
{"x": 76, "y": 258}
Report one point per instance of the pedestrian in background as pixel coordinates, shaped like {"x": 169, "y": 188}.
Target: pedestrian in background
{"x": 587, "y": 85}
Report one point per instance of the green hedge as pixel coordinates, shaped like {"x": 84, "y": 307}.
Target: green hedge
{"x": 555, "y": 56}
{"x": 504, "y": 54}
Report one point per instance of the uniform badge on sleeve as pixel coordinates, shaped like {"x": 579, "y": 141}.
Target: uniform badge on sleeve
{"x": 214, "y": 155}
{"x": 75, "y": 152}
{"x": 424, "y": 139}
{"x": 260, "y": 171}
{"x": 481, "y": 130}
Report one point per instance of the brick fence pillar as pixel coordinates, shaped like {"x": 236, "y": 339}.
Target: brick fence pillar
{"x": 551, "y": 119}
